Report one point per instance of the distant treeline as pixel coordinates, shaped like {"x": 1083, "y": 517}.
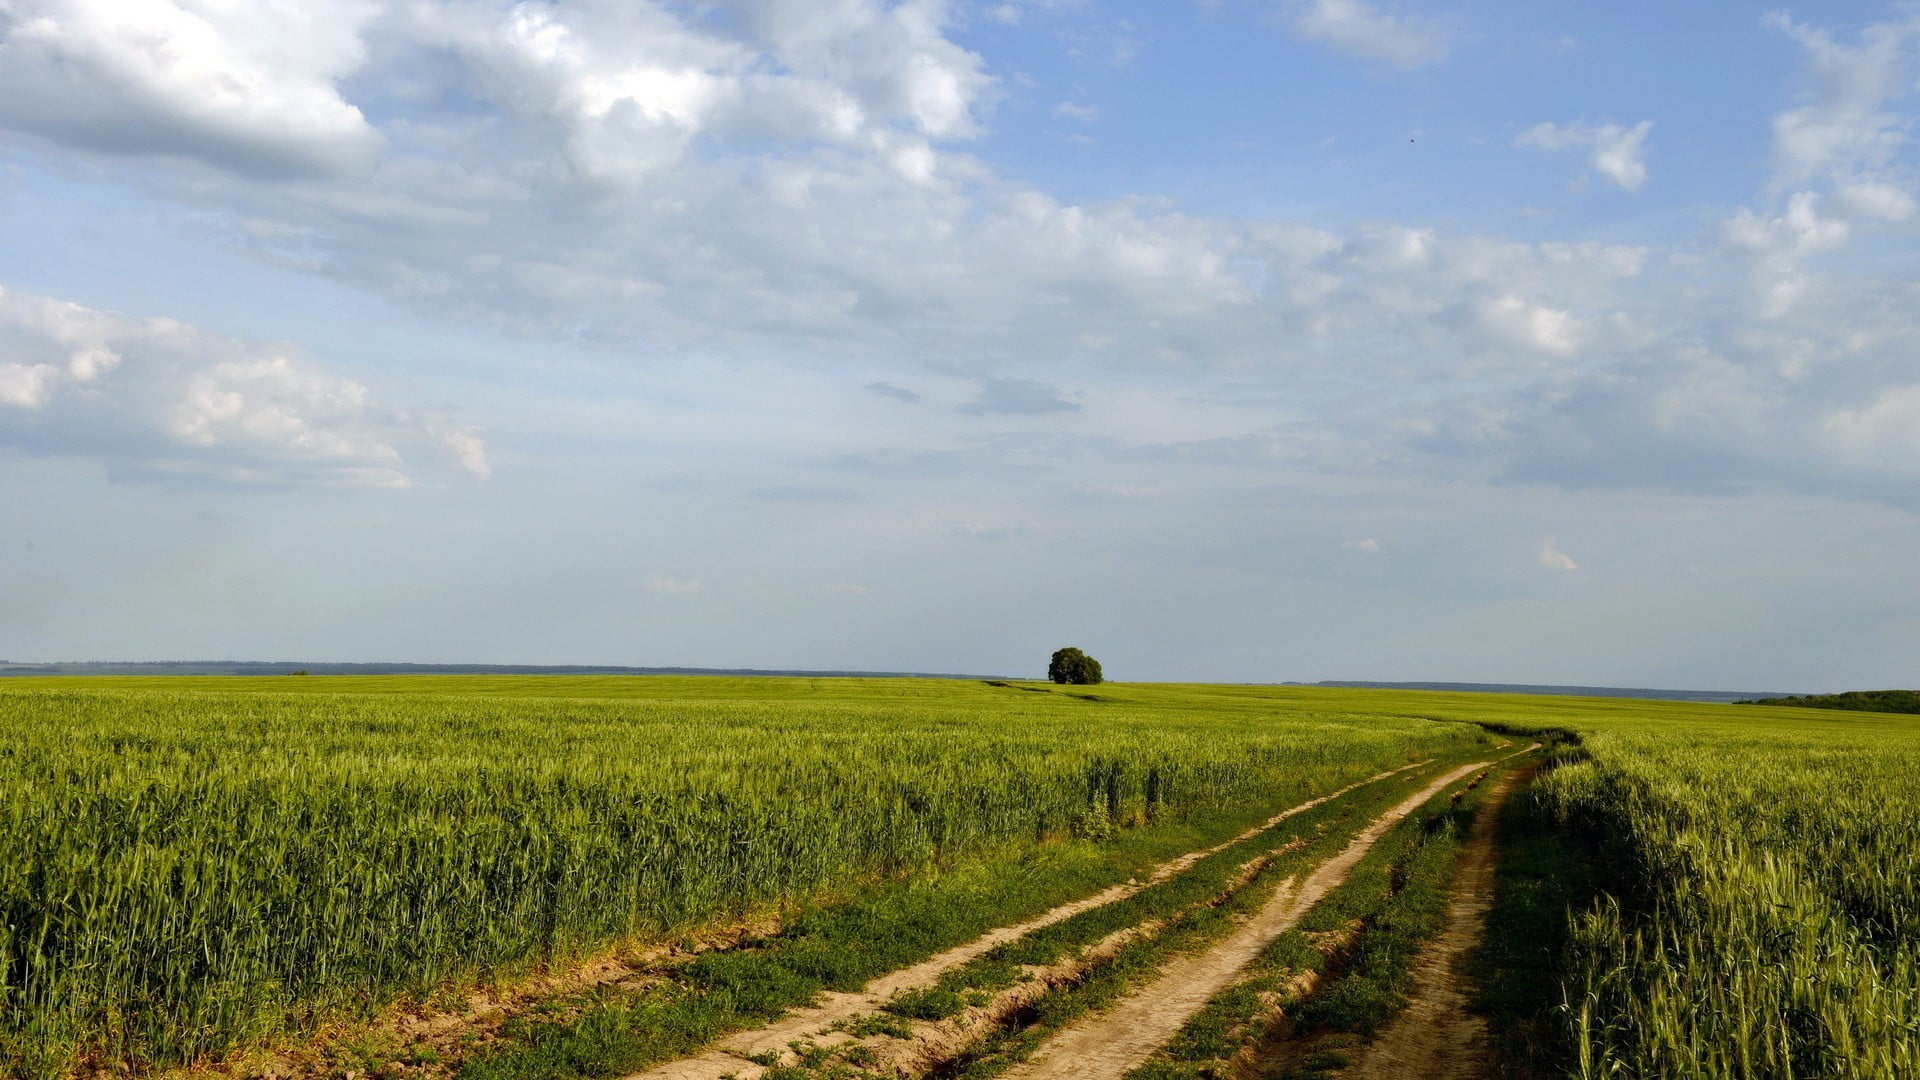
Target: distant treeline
{"x": 1893, "y": 701}
{"x": 299, "y": 667}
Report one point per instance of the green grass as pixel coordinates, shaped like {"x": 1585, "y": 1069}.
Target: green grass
{"x": 1760, "y": 906}
{"x": 591, "y": 1046}
{"x": 187, "y": 865}
{"x": 1544, "y": 873}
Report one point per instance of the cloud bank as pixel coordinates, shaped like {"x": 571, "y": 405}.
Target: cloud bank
{"x": 159, "y": 399}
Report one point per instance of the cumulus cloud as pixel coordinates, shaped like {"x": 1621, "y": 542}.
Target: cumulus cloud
{"x": 1361, "y": 28}
{"x": 1616, "y": 152}
{"x": 1881, "y": 435}
{"x": 1553, "y": 558}
{"x": 1365, "y": 545}
{"x": 628, "y": 87}
{"x": 1845, "y": 124}
{"x": 1839, "y": 150}
{"x": 1514, "y": 321}
{"x": 796, "y": 182}
{"x": 253, "y": 87}
{"x": 1778, "y": 243}
{"x": 157, "y": 397}
{"x": 630, "y": 175}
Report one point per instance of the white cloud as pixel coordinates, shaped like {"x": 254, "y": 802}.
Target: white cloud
{"x": 158, "y": 397}
{"x": 1874, "y": 199}
{"x": 1778, "y": 244}
{"x": 250, "y": 86}
{"x": 629, "y": 175}
{"x": 1845, "y": 125}
{"x": 1615, "y": 152}
{"x": 1883, "y": 435}
{"x": 1360, "y": 28}
{"x": 1839, "y": 150}
{"x": 27, "y": 385}
{"x": 468, "y": 448}
{"x": 1365, "y": 546}
{"x": 794, "y": 183}
{"x": 1512, "y": 320}
{"x": 847, "y": 589}
{"x": 1553, "y": 558}
{"x": 1086, "y": 114}
{"x": 670, "y": 586}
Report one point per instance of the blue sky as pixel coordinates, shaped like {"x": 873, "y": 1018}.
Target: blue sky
{"x": 1256, "y": 341}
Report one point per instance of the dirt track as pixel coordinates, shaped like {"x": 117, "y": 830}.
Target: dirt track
{"x": 1436, "y": 1038}
{"x": 1113, "y": 1042}
{"x": 730, "y": 1057}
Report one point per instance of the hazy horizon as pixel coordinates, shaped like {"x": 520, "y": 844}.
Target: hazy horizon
{"x": 1230, "y": 341}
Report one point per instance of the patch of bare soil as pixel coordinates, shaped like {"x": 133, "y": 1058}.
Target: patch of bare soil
{"x": 820, "y": 1024}
{"x": 1114, "y": 1042}
{"x": 1436, "y": 1037}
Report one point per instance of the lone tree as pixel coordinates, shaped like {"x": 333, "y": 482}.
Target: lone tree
{"x": 1070, "y": 665}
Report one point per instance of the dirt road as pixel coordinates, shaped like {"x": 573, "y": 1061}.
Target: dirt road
{"x": 1113, "y": 1042}
{"x": 731, "y": 1057}
{"x": 1435, "y": 1037}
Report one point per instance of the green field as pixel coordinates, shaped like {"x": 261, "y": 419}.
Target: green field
{"x": 192, "y": 865}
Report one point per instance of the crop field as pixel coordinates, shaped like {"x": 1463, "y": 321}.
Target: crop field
{"x": 280, "y": 876}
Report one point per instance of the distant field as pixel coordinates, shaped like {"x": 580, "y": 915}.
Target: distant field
{"x": 190, "y": 866}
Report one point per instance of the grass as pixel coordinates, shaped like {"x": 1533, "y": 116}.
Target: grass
{"x": 193, "y": 865}
{"x": 1544, "y": 873}
{"x": 591, "y": 1046}
{"x": 1759, "y": 912}
{"x": 189, "y": 866}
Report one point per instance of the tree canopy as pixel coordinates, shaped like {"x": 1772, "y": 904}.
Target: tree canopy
{"x": 1070, "y": 666}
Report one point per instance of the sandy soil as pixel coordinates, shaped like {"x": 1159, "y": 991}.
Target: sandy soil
{"x": 1110, "y": 1044}
{"x": 1436, "y": 1038}
{"x": 815, "y": 1024}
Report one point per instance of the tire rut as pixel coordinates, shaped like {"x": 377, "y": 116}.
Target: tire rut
{"x": 733, "y": 1055}
{"x": 1436, "y": 1037}
{"x": 1112, "y": 1043}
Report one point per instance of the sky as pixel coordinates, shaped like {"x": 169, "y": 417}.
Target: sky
{"x": 1241, "y": 340}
